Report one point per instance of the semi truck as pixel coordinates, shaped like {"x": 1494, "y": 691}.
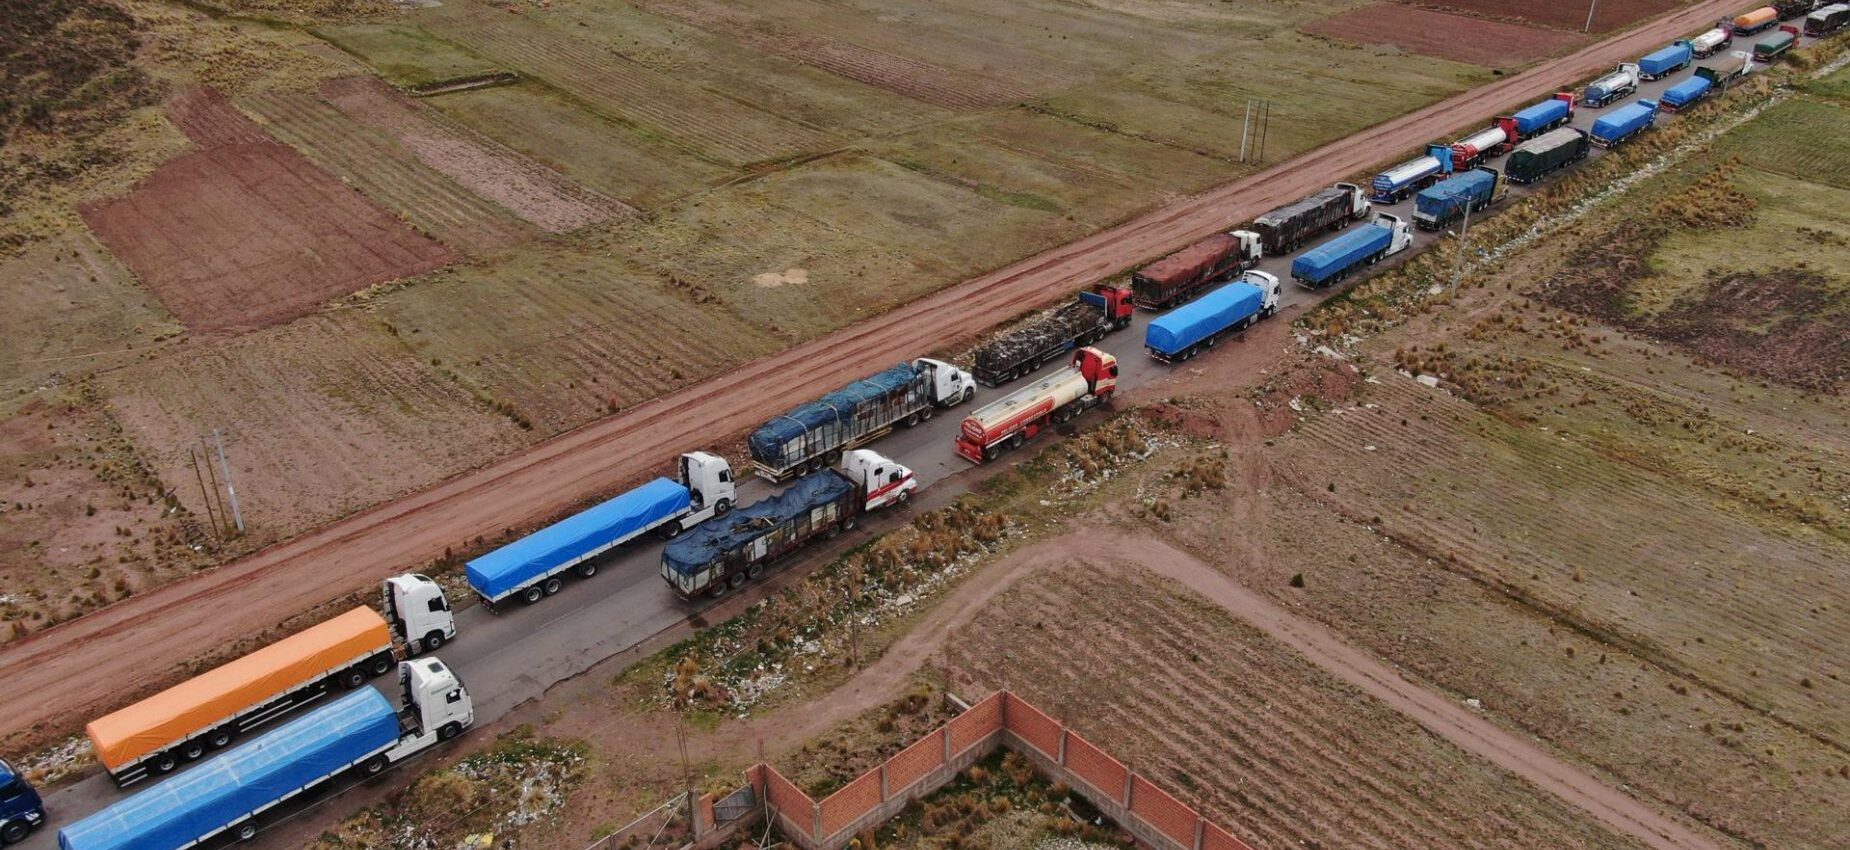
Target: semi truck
{"x": 1511, "y": 130}
{"x": 1620, "y": 82}
{"x": 1711, "y": 42}
{"x": 1827, "y": 20}
{"x": 1088, "y": 380}
{"x": 1395, "y": 184}
{"x": 1622, "y": 124}
{"x": 155, "y": 736}
{"x": 1187, "y": 272}
{"x": 814, "y": 435}
{"x": 1452, "y": 198}
{"x": 1017, "y": 352}
{"x": 1789, "y": 9}
{"x": 1340, "y": 257}
{"x": 1774, "y": 46}
{"x": 535, "y": 566}
{"x": 1665, "y": 61}
{"x": 1282, "y": 230}
{"x": 359, "y": 733}
{"x": 1197, "y": 326}
{"x": 21, "y": 810}
{"x": 1755, "y": 21}
{"x": 1728, "y": 70}
{"x": 722, "y": 556}
{"x": 1685, "y": 94}
{"x": 1545, "y": 154}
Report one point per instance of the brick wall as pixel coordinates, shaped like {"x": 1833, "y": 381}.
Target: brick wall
{"x": 854, "y": 800}
{"x": 1157, "y": 808}
{"x": 1104, "y": 773}
{"x": 982, "y": 720}
{"x": 1216, "y": 838}
{"x": 1031, "y": 725}
{"x": 912, "y": 763}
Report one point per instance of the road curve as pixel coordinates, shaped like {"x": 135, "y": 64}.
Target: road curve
{"x": 58, "y": 677}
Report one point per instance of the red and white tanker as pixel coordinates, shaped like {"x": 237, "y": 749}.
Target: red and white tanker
{"x": 1089, "y": 380}
{"x": 1512, "y": 130}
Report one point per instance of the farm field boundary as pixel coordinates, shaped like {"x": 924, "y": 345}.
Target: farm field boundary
{"x": 58, "y": 673}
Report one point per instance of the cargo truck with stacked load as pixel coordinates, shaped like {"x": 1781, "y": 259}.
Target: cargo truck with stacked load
{"x": 1708, "y": 43}
{"x": 1755, "y": 21}
{"x": 1023, "y": 348}
{"x": 1665, "y": 61}
{"x": 1545, "y": 154}
{"x": 1342, "y": 256}
{"x": 21, "y": 810}
{"x": 814, "y": 435}
{"x": 1197, "y": 326}
{"x": 535, "y": 566}
{"x": 1728, "y": 70}
{"x": 1827, "y": 20}
{"x": 1789, "y": 9}
{"x": 1395, "y": 184}
{"x": 1622, "y": 124}
{"x": 722, "y": 556}
{"x": 1620, "y": 82}
{"x": 228, "y": 798}
{"x": 1282, "y": 230}
{"x": 209, "y": 711}
{"x": 1685, "y": 94}
{"x": 1455, "y": 197}
{"x": 1776, "y": 45}
{"x": 1088, "y": 380}
{"x": 1187, "y": 272}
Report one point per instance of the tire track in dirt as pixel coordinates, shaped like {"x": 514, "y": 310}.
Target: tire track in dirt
{"x": 57, "y": 675}
{"x": 1437, "y": 712}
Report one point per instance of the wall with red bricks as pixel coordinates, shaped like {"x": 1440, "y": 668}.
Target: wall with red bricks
{"x": 1091, "y": 764}
{"x": 1158, "y": 809}
{"x": 1216, "y": 838}
{"x": 853, "y": 800}
{"x": 912, "y": 763}
{"x": 982, "y": 720}
{"x": 1031, "y": 725}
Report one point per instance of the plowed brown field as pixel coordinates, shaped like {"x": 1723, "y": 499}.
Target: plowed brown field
{"x": 1447, "y": 36}
{"x": 1608, "y": 15}
{"x": 245, "y": 232}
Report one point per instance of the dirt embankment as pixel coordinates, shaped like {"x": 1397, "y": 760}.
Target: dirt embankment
{"x": 60, "y": 674}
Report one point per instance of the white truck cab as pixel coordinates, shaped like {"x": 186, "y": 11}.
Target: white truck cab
{"x": 710, "y": 489}
{"x": 950, "y": 385}
{"x": 1252, "y": 247}
{"x": 885, "y": 481}
{"x": 436, "y": 707}
{"x": 419, "y": 613}
{"x": 1268, "y": 284}
{"x": 1359, "y": 204}
{"x": 1401, "y": 233}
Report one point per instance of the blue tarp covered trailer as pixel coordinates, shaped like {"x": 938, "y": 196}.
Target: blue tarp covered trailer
{"x": 1542, "y": 116}
{"x": 1178, "y": 330}
{"x": 228, "y": 790}
{"x": 1666, "y": 61}
{"x": 1623, "y": 123}
{"x": 1441, "y": 203}
{"x": 568, "y": 542}
{"x": 841, "y": 417}
{"x": 1336, "y": 257}
{"x": 731, "y": 544}
{"x": 1685, "y": 93}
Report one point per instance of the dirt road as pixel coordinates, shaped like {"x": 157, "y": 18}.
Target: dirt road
{"x": 59, "y": 676}
{"x": 1445, "y": 717}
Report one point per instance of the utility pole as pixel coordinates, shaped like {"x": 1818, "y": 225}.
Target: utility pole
{"x": 687, "y": 776}
{"x": 204, "y": 494}
{"x": 1265, "y": 126}
{"x": 221, "y": 524}
{"x": 1246, "y": 129}
{"x": 231, "y": 489}
{"x": 1591, "y": 5}
{"x": 1464, "y": 234}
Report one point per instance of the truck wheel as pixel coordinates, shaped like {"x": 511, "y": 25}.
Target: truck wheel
{"x": 14, "y": 832}
{"x": 909, "y": 421}
{"x": 531, "y": 594}
{"x": 220, "y": 738}
{"x": 381, "y": 665}
{"x": 847, "y": 524}
{"x": 352, "y": 678}
{"x": 969, "y": 393}
{"x": 448, "y": 731}
{"x": 717, "y": 589}
{"x": 1016, "y": 440}
{"x": 163, "y": 764}
{"x": 587, "y": 569}
{"x": 736, "y": 580}
{"x": 670, "y": 530}
{"x": 926, "y": 414}
{"x": 192, "y": 750}
{"x": 373, "y": 766}
{"x": 754, "y": 571}
{"x": 904, "y": 497}
{"x": 552, "y": 585}
{"x": 433, "y": 641}
{"x": 722, "y": 507}
{"x": 247, "y": 831}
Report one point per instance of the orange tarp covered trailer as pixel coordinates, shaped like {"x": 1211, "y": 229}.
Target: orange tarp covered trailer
{"x": 218, "y": 695}
{"x": 1756, "y": 20}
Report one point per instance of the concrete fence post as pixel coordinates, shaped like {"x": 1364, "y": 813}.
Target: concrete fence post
{"x": 1060, "y": 757}
{"x": 944, "y": 732}
{"x": 816, "y": 828}
{"x": 1201, "y": 831}
{"x": 1130, "y": 787}
{"x": 885, "y": 793}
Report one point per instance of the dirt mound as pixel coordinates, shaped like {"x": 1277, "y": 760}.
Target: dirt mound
{"x": 1608, "y": 15}
{"x": 246, "y": 232}
{"x": 1467, "y": 39}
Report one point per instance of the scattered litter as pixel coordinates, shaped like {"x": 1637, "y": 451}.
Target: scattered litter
{"x": 1428, "y": 380}
{"x": 1474, "y": 704}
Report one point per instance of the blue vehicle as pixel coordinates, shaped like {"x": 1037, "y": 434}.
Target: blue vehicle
{"x": 1394, "y": 184}
{"x": 1623, "y": 123}
{"x": 1662, "y": 63}
{"x": 1686, "y": 93}
{"x": 21, "y": 810}
{"x": 1535, "y": 120}
{"x": 533, "y": 567}
{"x": 1188, "y": 330}
{"x": 1338, "y": 258}
{"x": 1448, "y": 200}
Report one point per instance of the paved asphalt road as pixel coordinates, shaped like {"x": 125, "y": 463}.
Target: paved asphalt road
{"x": 515, "y": 656}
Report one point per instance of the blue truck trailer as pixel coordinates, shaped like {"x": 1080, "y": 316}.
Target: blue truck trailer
{"x": 226, "y": 796}
{"x": 1686, "y": 93}
{"x": 1396, "y": 183}
{"x": 1623, "y": 123}
{"x": 534, "y": 566}
{"x": 722, "y": 556}
{"x": 1611, "y": 86}
{"x": 1450, "y": 199}
{"x": 21, "y": 810}
{"x": 1338, "y": 258}
{"x": 1192, "y": 328}
{"x": 1666, "y": 61}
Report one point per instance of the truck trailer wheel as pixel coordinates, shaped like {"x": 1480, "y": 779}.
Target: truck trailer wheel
{"x": 192, "y": 750}
{"x": 736, "y": 580}
{"x": 926, "y": 414}
{"x": 352, "y": 677}
{"x": 754, "y": 571}
{"x": 552, "y": 585}
{"x": 587, "y": 569}
{"x": 218, "y": 739}
{"x": 246, "y": 831}
{"x": 163, "y": 764}
{"x": 373, "y": 766}
{"x": 531, "y": 594}
{"x": 14, "y": 832}
{"x": 381, "y": 665}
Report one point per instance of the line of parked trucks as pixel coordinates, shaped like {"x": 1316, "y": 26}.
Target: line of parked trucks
{"x": 1210, "y": 289}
